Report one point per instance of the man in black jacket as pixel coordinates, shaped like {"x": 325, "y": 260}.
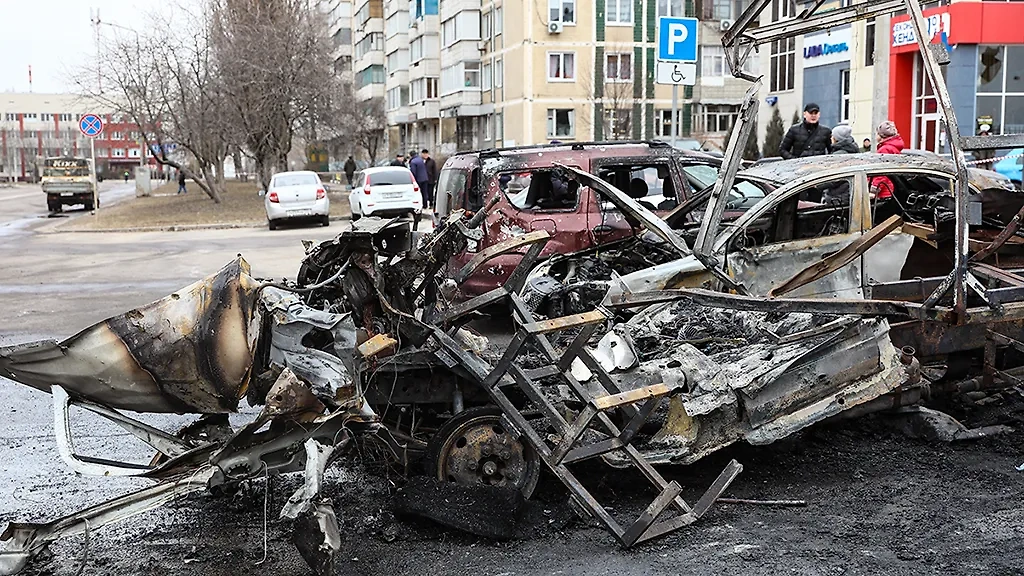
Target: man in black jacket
{"x": 809, "y": 138}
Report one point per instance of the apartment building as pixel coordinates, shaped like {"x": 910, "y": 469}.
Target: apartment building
{"x": 339, "y": 29}
{"x": 368, "y": 48}
{"x": 36, "y": 126}
{"x": 413, "y": 68}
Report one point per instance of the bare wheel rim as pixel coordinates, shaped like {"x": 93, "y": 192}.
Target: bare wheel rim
{"x": 481, "y": 451}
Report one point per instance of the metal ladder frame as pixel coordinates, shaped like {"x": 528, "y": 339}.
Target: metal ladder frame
{"x": 568, "y": 448}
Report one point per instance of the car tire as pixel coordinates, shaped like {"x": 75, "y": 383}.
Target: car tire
{"x": 325, "y": 221}
{"x": 89, "y": 207}
{"x": 356, "y": 216}
{"x": 53, "y": 207}
{"x": 271, "y": 224}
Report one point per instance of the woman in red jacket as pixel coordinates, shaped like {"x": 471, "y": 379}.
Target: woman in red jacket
{"x": 889, "y": 142}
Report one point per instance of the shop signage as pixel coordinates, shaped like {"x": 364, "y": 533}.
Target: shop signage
{"x": 903, "y": 32}
{"x": 827, "y": 48}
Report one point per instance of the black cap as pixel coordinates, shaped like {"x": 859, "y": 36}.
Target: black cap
{"x": 812, "y": 107}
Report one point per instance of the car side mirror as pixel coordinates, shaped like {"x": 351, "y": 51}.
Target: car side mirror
{"x": 262, "y": 193}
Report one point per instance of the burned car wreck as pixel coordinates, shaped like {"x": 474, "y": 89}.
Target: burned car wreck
{"x": 375, "y": 320}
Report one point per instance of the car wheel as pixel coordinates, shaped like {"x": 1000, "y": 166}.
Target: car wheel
{"x": 54, "y": 207}
{"x": 325, "y": 220}
{"x": 356, "y": 216}
{"x": 271, "y": 224}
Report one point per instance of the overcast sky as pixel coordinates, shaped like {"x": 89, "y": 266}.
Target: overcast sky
{"x": 55, "y": 36}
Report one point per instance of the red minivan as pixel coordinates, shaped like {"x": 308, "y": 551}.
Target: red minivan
{"x": 534, "y": 194}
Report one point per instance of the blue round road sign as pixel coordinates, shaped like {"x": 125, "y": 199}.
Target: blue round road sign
{"x": 91, "y": 125}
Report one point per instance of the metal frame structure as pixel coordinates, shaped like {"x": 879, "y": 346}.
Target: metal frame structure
{"x": 745, "y": 36}
{"x": 569, "y": 444}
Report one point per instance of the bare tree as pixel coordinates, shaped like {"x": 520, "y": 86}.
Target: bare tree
{"x": 165, "y": 82}
{"x": 613, "y": 89}
{"x": 368, "y": 124}
{"x": 274, "y": 63}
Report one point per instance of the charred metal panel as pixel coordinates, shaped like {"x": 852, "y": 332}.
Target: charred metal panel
{"x": 188, "y": 352}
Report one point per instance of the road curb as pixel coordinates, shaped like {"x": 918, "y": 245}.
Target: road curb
{"x": 172, "y": 227}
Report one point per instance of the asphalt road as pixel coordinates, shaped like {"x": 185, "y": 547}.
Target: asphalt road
{"x": 25, "y": 204}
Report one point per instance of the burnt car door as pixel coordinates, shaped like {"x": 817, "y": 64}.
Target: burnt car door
{"x": 804, "y": 231}
{"x": 656, "y": 184}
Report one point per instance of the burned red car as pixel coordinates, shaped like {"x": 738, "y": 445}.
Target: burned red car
{"x": 526, "y": 192}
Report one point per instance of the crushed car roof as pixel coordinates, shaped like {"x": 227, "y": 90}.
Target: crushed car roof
{"x": 786, "y": 171}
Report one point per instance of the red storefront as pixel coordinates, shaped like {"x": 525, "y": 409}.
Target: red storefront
{"x": 985, "y": 76}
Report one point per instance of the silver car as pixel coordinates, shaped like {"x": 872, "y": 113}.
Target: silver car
{"x": 297, "y": 194}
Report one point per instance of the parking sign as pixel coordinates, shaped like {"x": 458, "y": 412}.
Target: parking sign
{"x": 677, "y": 39}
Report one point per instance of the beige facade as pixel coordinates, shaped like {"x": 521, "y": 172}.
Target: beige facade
{"x": 34, "y": 126}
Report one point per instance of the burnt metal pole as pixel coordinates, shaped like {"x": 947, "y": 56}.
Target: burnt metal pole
{"x": 929, "y": 57}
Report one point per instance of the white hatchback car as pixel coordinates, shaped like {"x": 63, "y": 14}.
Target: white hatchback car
{"x": 296, "y": 195}
{"x": 386, "y": 191}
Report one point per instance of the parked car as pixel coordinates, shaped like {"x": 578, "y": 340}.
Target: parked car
{"x": 1011, "y": 167}
{"x": 531, "y": 193}
{"x": 296, "y": 195}
{"x": 385, "y": 191}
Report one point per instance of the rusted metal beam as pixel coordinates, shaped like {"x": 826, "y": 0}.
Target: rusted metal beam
{"x": 632, "y": 396}
{"x": 960, "y": 187}
{"x": 992, "y": 142}
{"x": 565, "y": 322}
{"x": 839, "y": 259}
{"x": 1010, "y": 278}
{"x": 784, "y": 305}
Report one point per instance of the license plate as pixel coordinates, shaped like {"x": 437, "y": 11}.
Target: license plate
{"x": 300, "y": 212}
{"x": 394, "y": 194}
{"x": 67, "y": 193}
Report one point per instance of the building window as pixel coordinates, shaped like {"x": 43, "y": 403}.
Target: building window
{"x": 618, "y": 67}
{"x": 424, "y": 89}
{"x": 116, "y": 136}
{"x": 46, "y": 117}
{"x": 118, "y": 152}
{"x": 486, "y": 81}
{"x": 396, "y": 23}
{"x": 10, "y": 117}
{"x": 1000, "y": 88}
{"x": 716, "y": 118}
{"x": 670, "y": 8}
{"x": 471, "y": 76}
{"x": 563, "y": 11}
{"x": 844, "y": 102}
{"x": 499, "y": 24}
{"x": 783, "y": 9}
{"x": 617, "y": 123}
{"x": 372, "y": 42}
{"x": 783, "y": 64}
{"x": 488, "y": 122}
{"x": 342, "y": 64}
{"x": 398, "y": 60}
{"x": 499, "y": 73}
{"x": 869, "y": 43}
{"x": 463, "y": 26}
{"x": 663, "y": 124}
{"x": 561, "y": 66}
{"x": 485, "y": 25}
{"x": 499, "y": 127}
{"x": 721, "y": 9}
{"x": 561, "y": 123}
{"x": 619, "y": 12}
{"x": 370, "y": 75}
{"x": 134, "y": 152}
{"x": 712, "y": 61}
{"x": 101, "y": 152}
{"x": 398, "y": 97}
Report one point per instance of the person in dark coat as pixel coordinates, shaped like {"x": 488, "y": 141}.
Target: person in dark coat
{"x": 867, "y": 145}
{"x": 399, "y": 160}
{"x": 808, "y": 138}
{"x": 431, "y": 174}
{"x": 181, "y": 183}
{"x": 418, "y": 167}
{"x": 350, "y": 169}
{"x": 842, "y": 140}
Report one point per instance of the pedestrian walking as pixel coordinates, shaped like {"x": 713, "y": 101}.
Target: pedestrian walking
{"x": 808, "y": 138}
{"x": 418, "y": 166}
{"x": 350, "y": 169}
{"x": 432, "y": 174}
{"x": 399, "y": 160}
{"x": 125, "y": 175}
{"x": 181, "y": 183}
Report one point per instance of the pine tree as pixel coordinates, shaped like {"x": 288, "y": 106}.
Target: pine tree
{"x": 773, "y": 135}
